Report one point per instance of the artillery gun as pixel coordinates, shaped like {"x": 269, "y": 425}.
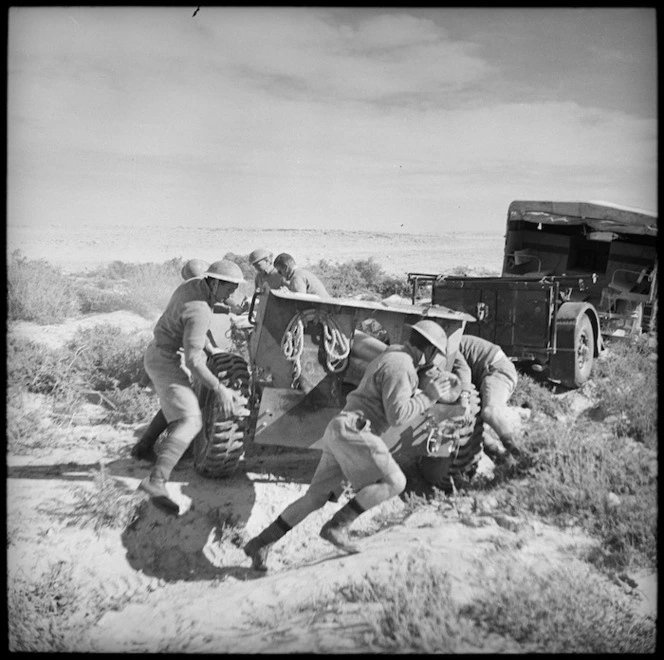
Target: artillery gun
{"x": 304, "y": 355}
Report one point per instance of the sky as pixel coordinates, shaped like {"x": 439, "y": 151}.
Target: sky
{"x": 382, "y": 119}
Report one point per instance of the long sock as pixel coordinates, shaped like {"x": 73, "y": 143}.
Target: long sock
{"x": 347, "y": 514}
{"x": 509, "y": 443}
{"x": 273, "y": 532}
{"x": 156, "y": 427}
{"x": 172, "y": 448}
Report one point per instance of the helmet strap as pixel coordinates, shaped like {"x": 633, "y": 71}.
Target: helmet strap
{"x": 212, "y": 285}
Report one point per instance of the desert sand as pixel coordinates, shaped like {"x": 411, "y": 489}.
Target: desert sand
{"x": 180, "y": 584}
{"x": 84, "y": 247}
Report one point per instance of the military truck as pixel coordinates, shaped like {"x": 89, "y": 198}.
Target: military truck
{"x": 574, "y": 274}
{"x": 305, "y": 354}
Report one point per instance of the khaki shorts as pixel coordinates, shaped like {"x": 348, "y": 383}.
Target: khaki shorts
{"x": 171, "y": 382}
{"x": 498, "y": 383}
{"x": 351, "y": 452}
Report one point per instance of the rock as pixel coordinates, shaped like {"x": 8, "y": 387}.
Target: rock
{"x": 511, "y": 523}
{"x": 612, "y": 501}
{"x": 485, "y": 505}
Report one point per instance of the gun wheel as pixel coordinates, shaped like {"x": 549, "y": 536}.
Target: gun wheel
{"x": 440, "y": 471}
{"x": 219, "y": 447}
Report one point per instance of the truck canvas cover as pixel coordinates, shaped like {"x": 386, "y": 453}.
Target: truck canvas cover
{"x": 598, "y": 216}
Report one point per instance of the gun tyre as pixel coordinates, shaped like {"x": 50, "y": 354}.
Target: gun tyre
{"x": 219, "y": 448}
{"x": 440, "y": 471}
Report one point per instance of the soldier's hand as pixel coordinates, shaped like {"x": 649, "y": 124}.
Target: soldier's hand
{"x": 437, "y": 387}
{"x": 226, "y": 400}
{"x": 240, "y": 405}
{"x": 464, "y": 401}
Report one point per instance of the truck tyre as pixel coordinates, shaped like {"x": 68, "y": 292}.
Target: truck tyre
{"x": 440, "y": 471}
{"x": 219, "y": 447}
{"x": 584, "y": 351}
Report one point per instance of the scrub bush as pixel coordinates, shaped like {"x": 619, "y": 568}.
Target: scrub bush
{"x": 38, "y": 291}
{"x": 108, "y": 358}
{"x": 626, "y": 387}
{"x": 359, "y": 278}
{"x": 578, "y": 475}
{"x": 141, "y": 288}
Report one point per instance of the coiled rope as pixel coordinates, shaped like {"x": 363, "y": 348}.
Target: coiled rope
{"x": 335, "y": 343}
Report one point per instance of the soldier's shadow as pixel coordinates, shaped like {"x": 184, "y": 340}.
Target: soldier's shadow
{"x": 205, "y": 541}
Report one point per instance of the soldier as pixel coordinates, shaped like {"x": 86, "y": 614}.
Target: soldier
{"x": 485, "y": 365}
{"x": 184, "y": 325}
{"x": 194, "y": 268}
{"x": 144, "y": 448}
{"x": 353, "y": 449}
{"x": 266, "y": 274}
{"x": 299, "y": 280}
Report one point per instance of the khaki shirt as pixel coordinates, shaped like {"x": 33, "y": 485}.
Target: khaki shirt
{"x": 304, "y": 281}
{"x": 273, "y": 280}
{"x": 387, "y": 393}
{"x": 475, "y": 357}
{"x": 184, "y": 324}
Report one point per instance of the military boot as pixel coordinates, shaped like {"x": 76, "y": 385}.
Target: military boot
{"x": 259, "y": 547}
{"x": 258, "y": 554}
{"x": 335, "y": 530}
{"x": 155, "y": 487}
{"x": 143, "y": 450}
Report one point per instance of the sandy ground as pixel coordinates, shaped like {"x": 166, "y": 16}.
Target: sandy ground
{"x": 181, "y": 585}
{"x": 87, "y": 247}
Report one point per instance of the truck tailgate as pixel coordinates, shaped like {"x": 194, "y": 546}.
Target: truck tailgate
{"x": 514, "y": 313}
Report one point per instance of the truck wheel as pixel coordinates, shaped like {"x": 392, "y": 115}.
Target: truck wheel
{"x": 584, "y": 351}
{"x": 219, "y": 447}
{"x": 439, "y": 471}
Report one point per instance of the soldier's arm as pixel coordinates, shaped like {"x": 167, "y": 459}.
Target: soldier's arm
{"x": 298, "y": 284}
{"x": 462, "y": 369}
{"x": 399, "y": 402}
{"x": 197, "y": 316}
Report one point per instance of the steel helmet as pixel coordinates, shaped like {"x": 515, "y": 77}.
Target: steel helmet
{"x": 194, "y": 268}
{"x": 225, "y": 270}
{"x": 433, "y": 333}
{"x": 258, "y": 254}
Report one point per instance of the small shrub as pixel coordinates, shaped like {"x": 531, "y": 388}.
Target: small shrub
{"x": 107, "y": 357}
{"x": 536, "y": 396}
{"x": 102, "y": 296}
{"x": 363, "y": 277}
{"x": 626, "y": 388}
{"x": 144, "y": 288}
{"x": 472, "y": 271}
{"x": 411, "y": 609}
{"x": 132, "y": 405}
{"x": 342, "y": 280}
{"x": 26, "y": 425}
{"x": 392, "y": 285}
{"x": 38, "y": 291}
{"x": 248, "y": 271}
{"x": 573, "y": 471}
{"x": 558, "y": 610}
{"x": 108, "y": 504}
{"x": 36, "y": 610}
{"x": 41, "y": 370}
